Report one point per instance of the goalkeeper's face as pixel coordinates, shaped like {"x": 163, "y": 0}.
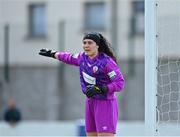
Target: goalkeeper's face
{"x": 90, "y": 47}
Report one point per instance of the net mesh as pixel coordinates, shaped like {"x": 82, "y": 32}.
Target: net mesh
{"x": 168, "y": 67}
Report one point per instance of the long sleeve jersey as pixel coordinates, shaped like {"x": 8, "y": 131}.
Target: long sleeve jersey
{"x": 101, "y": 70}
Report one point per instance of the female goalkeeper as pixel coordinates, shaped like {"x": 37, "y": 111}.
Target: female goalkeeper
{"x": 100, "y": 78}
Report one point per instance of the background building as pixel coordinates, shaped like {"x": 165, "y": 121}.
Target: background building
{"x": 46, "y": 89}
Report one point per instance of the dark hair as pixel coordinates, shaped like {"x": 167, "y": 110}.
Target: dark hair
{"x": 104, "y": 45}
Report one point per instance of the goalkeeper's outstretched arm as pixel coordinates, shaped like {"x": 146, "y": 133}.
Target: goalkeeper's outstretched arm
{"x": 66, "y": 57}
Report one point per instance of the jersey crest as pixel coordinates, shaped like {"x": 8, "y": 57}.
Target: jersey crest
{"x": 95, "y": 69}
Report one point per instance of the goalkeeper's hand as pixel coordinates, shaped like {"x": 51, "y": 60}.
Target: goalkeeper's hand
{"x": 94, "y": 90}
{"x": 47, "y": 53}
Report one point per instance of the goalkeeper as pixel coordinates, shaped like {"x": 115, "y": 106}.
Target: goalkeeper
{"x": 100, "y": 78}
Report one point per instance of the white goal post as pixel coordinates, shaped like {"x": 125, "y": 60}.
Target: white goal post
{"x": 162, "y": 67}
{"x": 150, "y": 68}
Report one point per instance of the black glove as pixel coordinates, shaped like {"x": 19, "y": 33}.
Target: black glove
{"x": 94, "y": 90}
{"x": 47, "y": 53}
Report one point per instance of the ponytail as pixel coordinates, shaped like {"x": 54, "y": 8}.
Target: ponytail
{"x": 106, "y": 47}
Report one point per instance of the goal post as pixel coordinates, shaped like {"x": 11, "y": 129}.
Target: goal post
{"x": 162, "y": 67}
{"x": 150, "y": 68}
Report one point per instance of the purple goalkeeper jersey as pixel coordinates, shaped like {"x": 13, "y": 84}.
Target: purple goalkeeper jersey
{"x": 101, "y": 70}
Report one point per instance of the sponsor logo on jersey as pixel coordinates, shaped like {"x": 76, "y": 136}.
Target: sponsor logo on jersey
{"x": 89, "y": 79}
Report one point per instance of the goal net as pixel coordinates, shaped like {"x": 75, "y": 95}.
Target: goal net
{"x": 168, "y": 66}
